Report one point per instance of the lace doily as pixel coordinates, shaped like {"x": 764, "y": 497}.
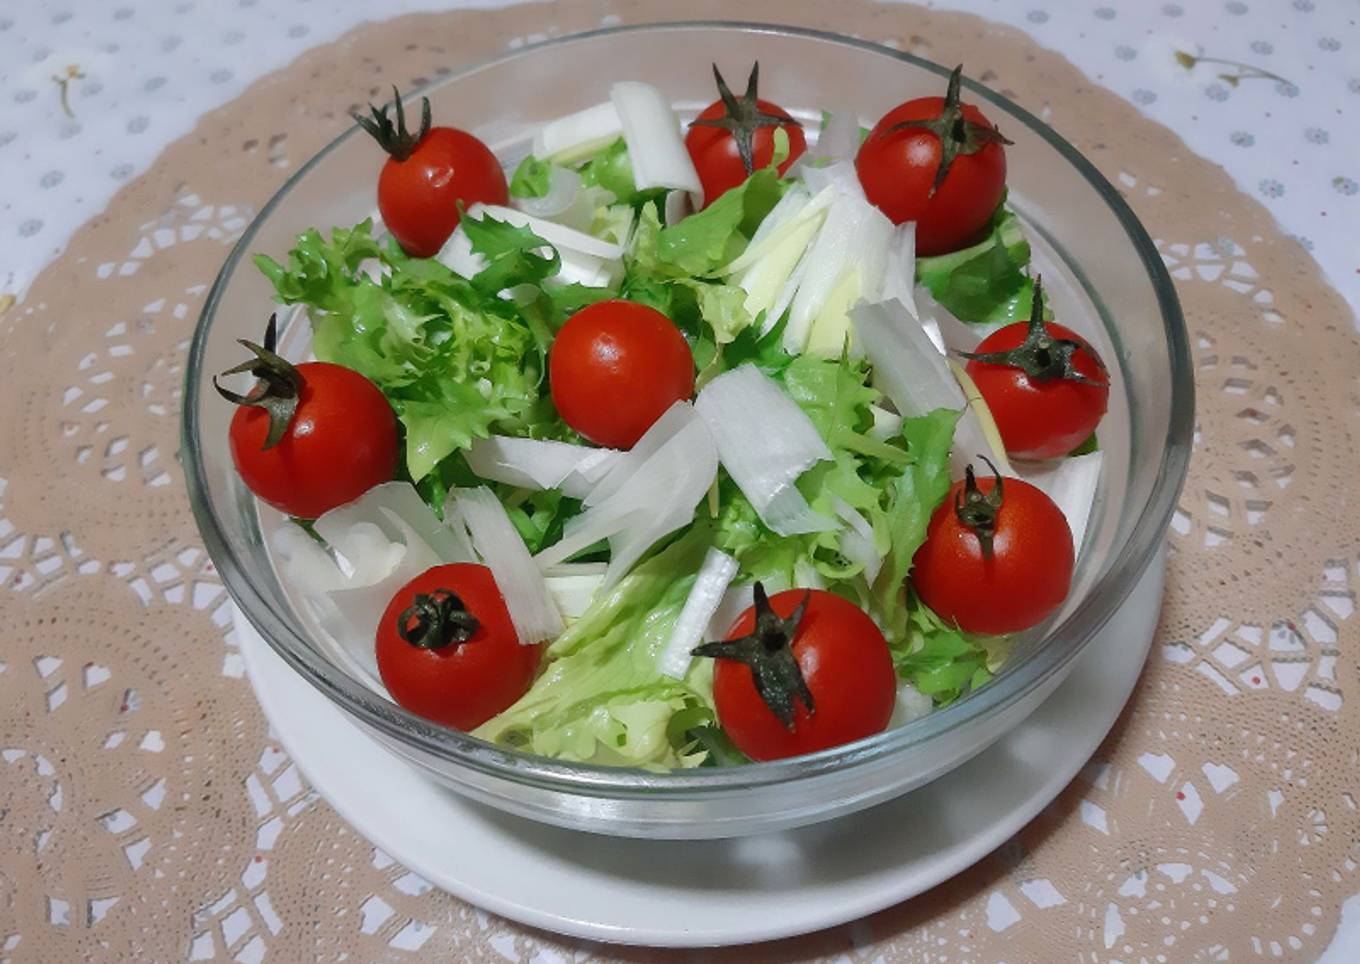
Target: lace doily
{"x": 145, "y": 810}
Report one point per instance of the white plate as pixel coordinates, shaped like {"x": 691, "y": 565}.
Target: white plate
{"x": 708, "y": 892}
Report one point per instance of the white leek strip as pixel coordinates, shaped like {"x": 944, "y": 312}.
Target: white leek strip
{"x": 918, "y": 379}
{"x": 886, "y": 424}
{"x": 558, "y": 235}
{"x": 381, "y": 541}
{"x": 578, "y": 135}
{"x": 679, "y": 205}
{"x": 519, "y": 580}
{"x": 857, "y": 541}
{"x": 309, "y": 570}
{"x": 567, "y": 202}
{"x": 765, "y": 442}
{"x": 652, "y": 132}
{"x": 734, "y": 602}
{"x": 911, "y": 704}
{"x": 900, "y": 270}
{"x": 715, "y": 575}
{"x": 586, "y": 269}
{"x": 574, "y": 592}
{"x": 540, "y": 463}
{"x": 838, "y": 139}
{"x": 1071, "y": 483}
{"x": 620, "y": 470}
{"x": 649, "y": 497}
{"x": 399, "y": 513}
{"x": 947, "y": 331}
{"x": 840, "y": 175}
{"x": 765, "y": 268}
{"x": 457, "y": 255}
{"x": 982, "y": 422}
{"x": 847, "y": 259}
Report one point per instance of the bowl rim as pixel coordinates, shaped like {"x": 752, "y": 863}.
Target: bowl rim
{"x": 392, "y": 722}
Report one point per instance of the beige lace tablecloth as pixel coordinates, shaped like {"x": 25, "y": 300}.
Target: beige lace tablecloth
{"x": 146, "y": 813}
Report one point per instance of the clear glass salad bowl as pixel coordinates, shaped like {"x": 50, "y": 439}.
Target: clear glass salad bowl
{"x": 1102, "y": 271}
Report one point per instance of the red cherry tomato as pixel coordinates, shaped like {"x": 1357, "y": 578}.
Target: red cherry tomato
{"x": 1041, "y": 417}
{"x": 615, "y": 367}
{"x": 418, "y": 197}
{"x": 475, "y": 670}
{"x": 845, "y": 663}
{"x": 1026, "y": 576}
{"x": 341, "y": 441}
{"x": 898, "y": 166}
{"x": 426, "y": 176}
{"x": 717, "y": 156}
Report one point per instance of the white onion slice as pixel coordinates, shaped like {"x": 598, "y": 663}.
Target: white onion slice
{"x": 519, "y": 580}
{"x": 578, "y": 135}
{"x": 715, "y": 575}
{"x": 1071, "y": 483}
{"x": 765, "y": 442}
{"x": 652, "y": 132}
{"x": 652, "y": 491}
{"x": 540, "y": 463}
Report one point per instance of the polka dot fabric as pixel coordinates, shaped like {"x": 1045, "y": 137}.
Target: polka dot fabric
{"x": 1270, "y": 89}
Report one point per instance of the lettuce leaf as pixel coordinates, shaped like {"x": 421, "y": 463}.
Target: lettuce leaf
{"x": 987, "y": 282}
{"x": 455, "y": 361}
{"x": 612, "y": 169}
{"x": 913, "y": 497}
{"x": 601, "y": 698}
{"x": 942, "y": 661}
{"x": 531, "y": 178}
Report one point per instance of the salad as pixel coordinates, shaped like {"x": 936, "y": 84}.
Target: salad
{"x": 676, "y": 445}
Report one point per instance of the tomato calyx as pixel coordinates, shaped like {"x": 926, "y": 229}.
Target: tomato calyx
{"x": 277, "y": 390}
{"x": 1040, "y": 356}
{"x": 957, "y": 134}
{"x": 768, "y": 651}
{"x": 744, "y": 116}
{"x": 437, "y": 619}
{"x": 395, "y": 139}
{"x": 977, "y": 511}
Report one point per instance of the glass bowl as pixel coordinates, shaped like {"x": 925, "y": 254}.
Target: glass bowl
{"x": 1099, "y": 265}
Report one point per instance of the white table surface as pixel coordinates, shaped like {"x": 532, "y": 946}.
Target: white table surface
{"x": 1278, "y": 106}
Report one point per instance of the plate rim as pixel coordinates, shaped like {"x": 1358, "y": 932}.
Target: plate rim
{"x": 258, "y": 656}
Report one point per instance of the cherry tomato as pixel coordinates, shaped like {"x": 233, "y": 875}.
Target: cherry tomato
{"x": 939, "y": 163}
{"x": 426, "y": 176}
{"x": 840, "y": 655}
{"x": 447, "y": 649}
{"x": 732, "y": 137}
{"x": 997, "y": 558}
{"x": 334, "y": 434}
{"x": 1045, "y": 385}
{"x": 615, "y": 367}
